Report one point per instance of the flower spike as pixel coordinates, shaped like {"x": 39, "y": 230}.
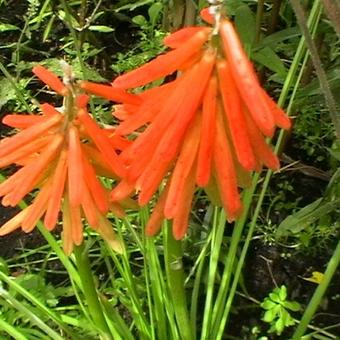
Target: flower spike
{"x": 205, "y": 128}
{"x": 61, "y": 153}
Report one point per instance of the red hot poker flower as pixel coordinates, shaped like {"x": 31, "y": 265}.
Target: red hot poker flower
{"x": 61, "y": 153}
{"x": 207, "y": 127}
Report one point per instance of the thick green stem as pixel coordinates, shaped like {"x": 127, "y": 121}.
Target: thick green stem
{"x": 90, "y": 292}
{"x": 318, "y": 294}
{"x": 175, "y": 277}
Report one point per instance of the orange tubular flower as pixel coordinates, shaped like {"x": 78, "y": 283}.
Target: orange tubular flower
{"x": 61, "y": 153}
{"x": 205, "y": 128}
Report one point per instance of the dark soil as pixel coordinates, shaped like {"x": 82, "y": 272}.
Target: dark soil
{"x": 266, "y": 266}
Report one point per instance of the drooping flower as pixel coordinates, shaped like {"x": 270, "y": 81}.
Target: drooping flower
{"x": 62, "y": 153}
{"x": 206, "y": 128}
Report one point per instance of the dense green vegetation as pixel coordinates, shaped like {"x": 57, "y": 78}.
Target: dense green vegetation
{"x": 259, "y": 278}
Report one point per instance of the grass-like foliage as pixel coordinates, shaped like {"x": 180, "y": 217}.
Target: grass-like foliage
{"x": 147, "y": 205}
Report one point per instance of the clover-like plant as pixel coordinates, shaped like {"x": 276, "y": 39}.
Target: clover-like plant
{"x": 277, "y": 310}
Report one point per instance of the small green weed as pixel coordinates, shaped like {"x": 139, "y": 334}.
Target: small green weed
{"x": 277, "y": 310}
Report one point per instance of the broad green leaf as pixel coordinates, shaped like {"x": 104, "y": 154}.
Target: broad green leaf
{"x": 292, "y": 305}
{"x": 268, "y": 304}
{"x": 303, "y": 218}
{"x": 292, "y": 223}
{"x": 286, "y": 319}
{"x": 279, "y": 325}
{"x": 277, "y": 37}
{"x": 284, "y": 316}
{"x": 270, "y": 315}
{"x": 74, "y": 22}
{"x": 333, "y": 187}
{"x": 139, "y": 20}
{"x": 268, "y": 58}
{"x": 232, "y": 6}
{"x": 275, "y": 297}
{"x": 154, "y": 12}
{"x": 246, "y": 25}
{"x": 283, "y": 293}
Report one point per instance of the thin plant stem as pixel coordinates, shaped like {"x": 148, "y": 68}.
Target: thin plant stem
{"x": 274, "y": 15}
{"x": 314, "y": 18}
{"x": 330, "y": 101}
{"x": 217, "y": 231}
{"x": 158, "y": 290}
{"x": 76, "y": 41}
{"x": 318, "y": 294}
{"x": 82, "y": 19}
{"x": 195, "y": 292}
{"x": 156, "y": 287}
{"x": 242, "y": 259}
{"x": 136, "y": 306}
{"x": 77, "y": 45}
{"x": 219, "y": 317}
{"x": 90, "y": 292}
{"x": 290, "y": 77}
{"x": 231, "y": 258}
{"x": 18, "y": 43}
{"x": 175, "y": 276}
{"x": 259, "y": 16}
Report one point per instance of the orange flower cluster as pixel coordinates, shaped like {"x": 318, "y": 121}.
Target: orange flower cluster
{"x": 62, "y": 153}
{"x": 205, "y": 128}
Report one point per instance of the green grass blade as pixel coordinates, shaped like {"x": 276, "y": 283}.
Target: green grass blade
{"x": 221, "y": 319}
{"x": 10, "y": 330}
{"x": 30, "y": 314}
{"x": 217, "y": 232}
{"x": 32, "y": 299}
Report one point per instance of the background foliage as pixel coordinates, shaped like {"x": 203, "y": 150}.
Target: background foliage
{"x": 248, "y": 281}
